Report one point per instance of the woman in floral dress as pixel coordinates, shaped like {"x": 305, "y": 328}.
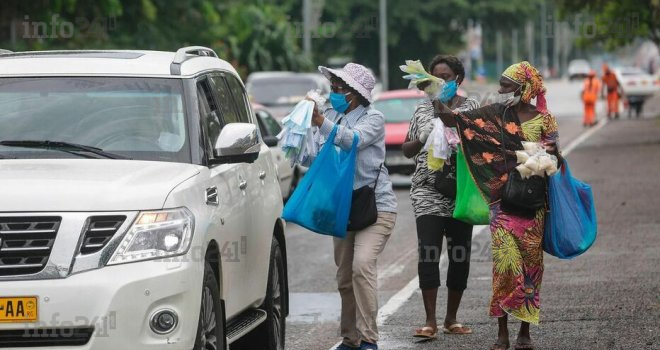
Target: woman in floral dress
{"x": 489, "y": 138}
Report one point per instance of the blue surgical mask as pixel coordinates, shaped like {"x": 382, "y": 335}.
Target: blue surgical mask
{"x": 448, "y": 91}
{"x": 338, "y": 102}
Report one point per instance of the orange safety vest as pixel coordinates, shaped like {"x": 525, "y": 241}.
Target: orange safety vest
{"x": 610, "y": 81}
{"x": 590, "y": 90}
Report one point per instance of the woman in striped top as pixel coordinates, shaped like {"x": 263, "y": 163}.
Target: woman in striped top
{"x": 433, "y": 210}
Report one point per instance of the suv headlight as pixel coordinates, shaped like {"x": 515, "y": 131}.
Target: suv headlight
{"x": 156, "y": 234}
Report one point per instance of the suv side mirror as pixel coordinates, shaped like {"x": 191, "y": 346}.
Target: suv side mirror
{"x": 237, "y": 143}
{"x": 271, "y": 141}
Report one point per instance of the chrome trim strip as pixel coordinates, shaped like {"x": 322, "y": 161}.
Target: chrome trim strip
{"x": 27, "y": 231}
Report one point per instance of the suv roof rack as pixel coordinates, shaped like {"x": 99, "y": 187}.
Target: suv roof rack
{"x": 183, "y": 53}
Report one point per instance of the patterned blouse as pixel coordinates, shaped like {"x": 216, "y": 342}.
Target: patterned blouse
{"x": 426, "y": 200}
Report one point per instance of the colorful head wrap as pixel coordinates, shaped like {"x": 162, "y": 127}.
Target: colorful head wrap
{"x": 531, "y": 81}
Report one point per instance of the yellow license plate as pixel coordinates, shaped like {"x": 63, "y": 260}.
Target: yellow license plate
{"x": 18, "y": 309}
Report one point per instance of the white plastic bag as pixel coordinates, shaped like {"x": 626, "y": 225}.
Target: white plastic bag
{"x": 296, "y": 130}
{"x": 534, "y": 160}
{"x": 437, "y": 143}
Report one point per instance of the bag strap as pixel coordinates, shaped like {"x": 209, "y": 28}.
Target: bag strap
{"x": 506, "y": 165}
{"x": 380, "y": 169}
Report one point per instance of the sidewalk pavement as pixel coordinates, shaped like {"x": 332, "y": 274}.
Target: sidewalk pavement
{"x": 608, "y": 298}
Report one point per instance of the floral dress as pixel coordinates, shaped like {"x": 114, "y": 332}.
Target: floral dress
{"x": 489, "y": 142}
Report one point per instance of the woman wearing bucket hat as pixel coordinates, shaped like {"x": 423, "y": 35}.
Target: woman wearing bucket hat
{"x": 356, "y": 255}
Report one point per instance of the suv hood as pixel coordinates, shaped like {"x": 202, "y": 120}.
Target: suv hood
{"x": 88, "y": 185}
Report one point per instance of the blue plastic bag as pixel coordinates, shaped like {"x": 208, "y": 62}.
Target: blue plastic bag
{"x": 322, "y": 200}
{"x": 571, "y": 225}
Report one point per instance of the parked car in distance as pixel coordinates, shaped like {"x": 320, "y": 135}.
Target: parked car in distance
{"x": 578, "y": 69}
{"x": 637, "y": 87}
{"x": 398, "y": 107}
{"x": 136, "y": 195}
{"x": 270, "y": 128}
{"x": 281, "y": 91}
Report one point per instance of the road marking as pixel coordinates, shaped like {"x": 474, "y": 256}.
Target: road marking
{"x": 403, "y": 295}
{"x": 583, "y": 137}
{"x": 396, "y": 266}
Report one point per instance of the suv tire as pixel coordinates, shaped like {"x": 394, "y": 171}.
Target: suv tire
{"x": 270, "y": 334}
{"x": 210, "y": 328}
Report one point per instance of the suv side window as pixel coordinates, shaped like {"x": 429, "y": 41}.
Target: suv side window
{"x": 240, "y": 97}
{"x": 224, "y": 100}
{"x": 271, "y": 126}
{"x": 209, "y": 114}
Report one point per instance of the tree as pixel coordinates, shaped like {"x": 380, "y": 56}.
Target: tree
{"x": 616, "y": 22}
{"x": 250, "y": 36}
{"x": 416, "y": 29}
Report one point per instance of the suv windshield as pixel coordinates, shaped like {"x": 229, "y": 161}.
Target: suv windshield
{"x": 280, "y": 90}
{"x": 136, "y": 118}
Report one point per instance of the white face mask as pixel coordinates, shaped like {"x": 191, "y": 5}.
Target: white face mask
{"x": 509, "y": 99}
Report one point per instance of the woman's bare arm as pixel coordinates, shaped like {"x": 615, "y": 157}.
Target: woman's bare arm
{"x": 444, "y": 113}
{"x": 410, "y": 148}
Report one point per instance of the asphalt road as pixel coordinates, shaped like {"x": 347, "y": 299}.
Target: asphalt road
{"x": 607, "y": 298}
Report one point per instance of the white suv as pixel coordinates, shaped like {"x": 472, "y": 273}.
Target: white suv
{"x": 139, "y": 207}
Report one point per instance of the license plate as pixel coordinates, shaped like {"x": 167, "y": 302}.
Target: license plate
{"x": 18, "y": 309}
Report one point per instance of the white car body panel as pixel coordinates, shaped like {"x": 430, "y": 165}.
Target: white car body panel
{"x": 636, "y": 82}
{"x": 88, "y": 184}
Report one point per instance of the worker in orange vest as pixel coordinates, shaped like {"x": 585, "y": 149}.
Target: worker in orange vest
{"x": 612, "y": 88}
{"x": 590, "y": 92}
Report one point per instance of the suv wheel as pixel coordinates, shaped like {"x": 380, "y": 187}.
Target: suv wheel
{"x": 270, "y": 334}
{"x": 210, "y": 329}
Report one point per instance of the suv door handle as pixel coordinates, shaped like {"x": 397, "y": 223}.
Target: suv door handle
{"x": 212, "y": 196}
{"x": 242, "y": 185}
{"x": 262, "y": 175}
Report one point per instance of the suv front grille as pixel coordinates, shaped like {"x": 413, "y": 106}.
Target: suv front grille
{"x": 99, "y": 231}
{"x": 42, "y": 337}
{"x": 26, "y": 243}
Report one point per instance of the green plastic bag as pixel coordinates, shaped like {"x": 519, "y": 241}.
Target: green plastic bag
{"x": 470, "y": 205}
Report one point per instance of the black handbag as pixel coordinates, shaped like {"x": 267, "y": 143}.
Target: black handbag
{"x": 443, "y": 183}
{"x": 364, "y": 212}
{"x": 522, "y": 197}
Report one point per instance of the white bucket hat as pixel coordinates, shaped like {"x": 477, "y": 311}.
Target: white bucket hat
{"x": 354, "y": 75}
